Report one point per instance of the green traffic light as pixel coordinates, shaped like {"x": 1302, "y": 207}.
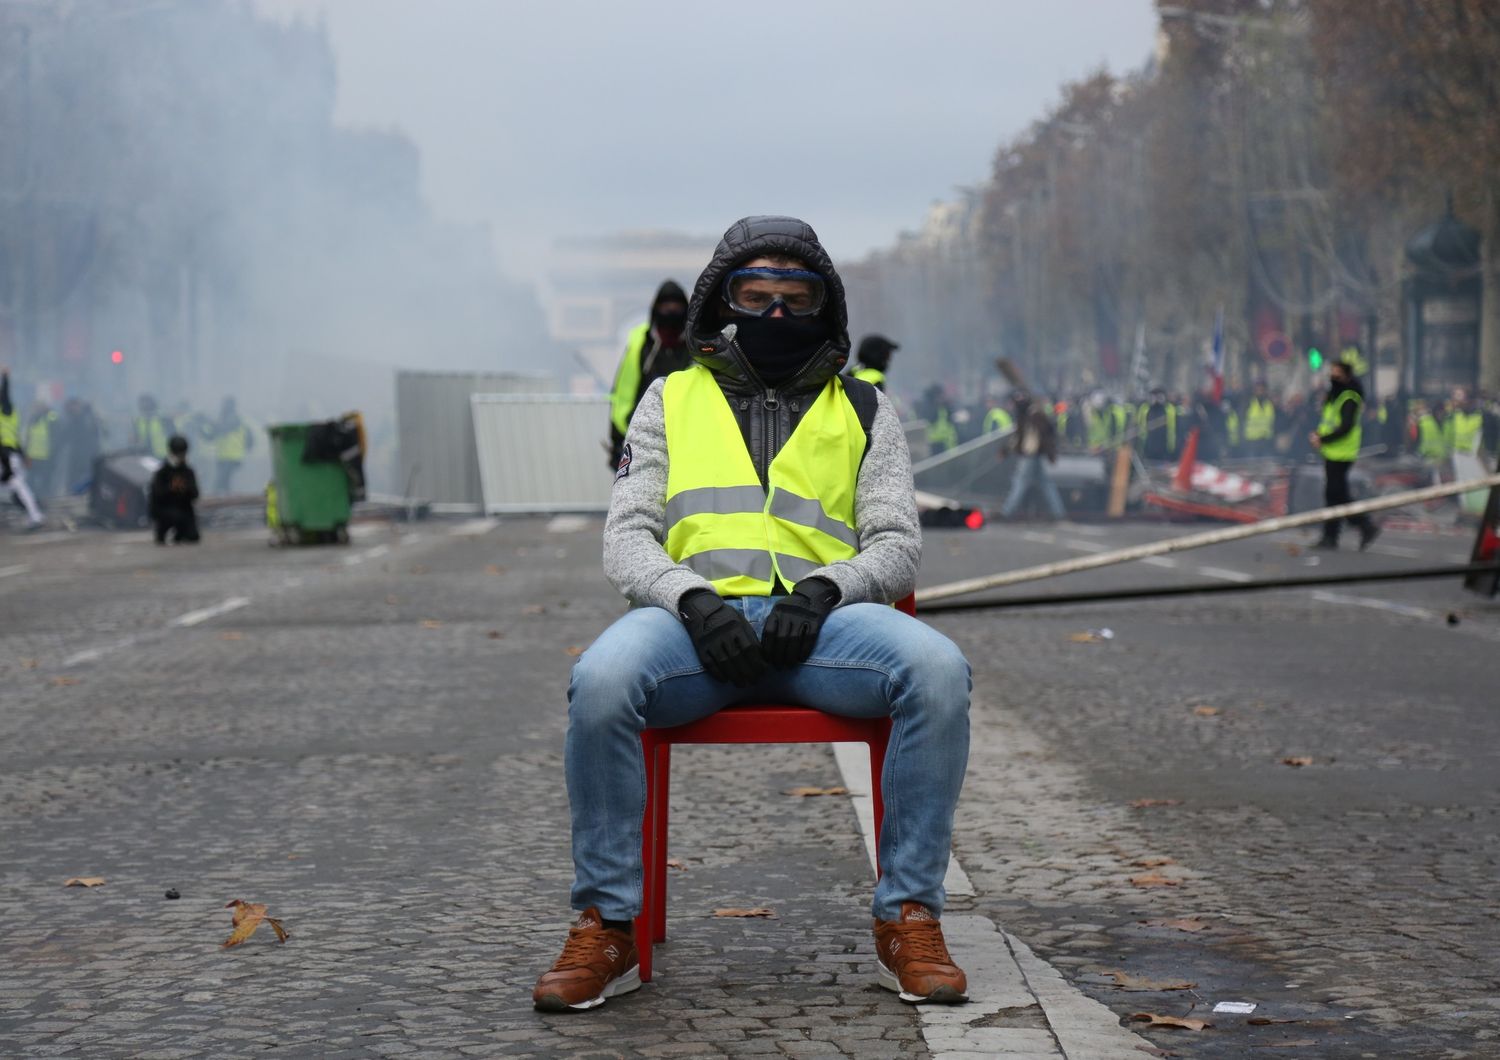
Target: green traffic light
{"x": 1314, "y": 358}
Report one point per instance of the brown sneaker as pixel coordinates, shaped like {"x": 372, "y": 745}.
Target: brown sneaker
{"x": 912, "y": 958}
{"x": 596, "y": 964}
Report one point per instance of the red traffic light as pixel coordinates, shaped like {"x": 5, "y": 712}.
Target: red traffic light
{"x": 117, "y": 357}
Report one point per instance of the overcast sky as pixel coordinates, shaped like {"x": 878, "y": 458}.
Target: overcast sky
{"x": 567, "y": 118}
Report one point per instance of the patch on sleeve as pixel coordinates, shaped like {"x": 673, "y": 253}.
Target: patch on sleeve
{"x": 624, "y": 468}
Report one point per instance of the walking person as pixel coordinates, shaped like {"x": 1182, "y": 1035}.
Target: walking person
{"x": 174, "y": 488}
{"x": 233, "y": 439}
{"x": 874, "y": 360}
{"x": 1035, "y": 444}
{"x": 1337, "y": 438}
{"x": 40, "y": 440}
{"x": 762, "y": 521}
{"x": 13, "y": 455}
{"x": 654, "y": 349}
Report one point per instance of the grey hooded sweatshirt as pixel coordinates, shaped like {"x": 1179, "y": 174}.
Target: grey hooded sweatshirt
{"x": 885, "y": 512}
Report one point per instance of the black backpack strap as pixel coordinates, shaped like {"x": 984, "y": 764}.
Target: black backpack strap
{"x": 865, "y": 399}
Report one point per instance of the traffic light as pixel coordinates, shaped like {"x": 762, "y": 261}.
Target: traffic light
{"x": 1314, "y": 358}
{"x": 117, "y": 357}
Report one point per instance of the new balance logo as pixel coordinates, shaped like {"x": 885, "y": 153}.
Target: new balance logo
{"x": 612, "y": 953}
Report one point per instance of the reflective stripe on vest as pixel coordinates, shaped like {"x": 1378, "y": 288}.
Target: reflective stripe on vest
{"x": 1260, "y": 420}
{"x": 1345, "y": 449}
{"x": 39, "y": 437}
{"x": 873, "y": 376}
{"x": 628, "y": 379}
{"x": 721, "y": 524}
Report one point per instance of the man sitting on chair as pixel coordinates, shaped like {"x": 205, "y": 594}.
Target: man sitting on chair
{"x": 763, "y": 519}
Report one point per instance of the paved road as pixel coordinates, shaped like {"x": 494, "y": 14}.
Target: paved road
{"x": 368, "y": 740}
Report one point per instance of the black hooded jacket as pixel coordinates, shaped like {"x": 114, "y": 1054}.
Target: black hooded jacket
{"x": 766, "y": 415}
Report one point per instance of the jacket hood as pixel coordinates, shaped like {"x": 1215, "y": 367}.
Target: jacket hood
{"x": 671, "y": 291}
{"x": 752, "y": 237}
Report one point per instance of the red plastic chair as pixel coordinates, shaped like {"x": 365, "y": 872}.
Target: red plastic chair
{"x": 739, "y": 724}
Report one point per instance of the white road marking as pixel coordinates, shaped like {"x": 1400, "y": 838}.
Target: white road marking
{"x": 567, "y": 524}
{"x": 1038, "y": 537}
{"x": 1398, "y": 550}
{"x": 1086, "y": 546}
{"x": 45, "y": 537}
{"x": 193, "y": 618}
{"x": 1225, "y": 574}
{"x": 411, "y": 538}
{"x": 12, "y": 571}
{"x": 1090, "y": 530}
{"x": 90, "y": 654}
{"x": 474, "y": 527}
{"x": 370, "y": 553}
{"x": 1161, "y": 561}
{"x": 1371, "y": 602}
{"x": 1003, "y": 973}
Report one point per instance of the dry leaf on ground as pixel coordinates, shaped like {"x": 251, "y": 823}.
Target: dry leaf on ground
{"x": 1126, "y": 981}
{"x": 1266, "y": 1021}
{"x": 1141, "y": 804}
{"x": 393, "y": 600}
{"x": 1293, "y": 550}
{"x": 758, "y": 911}
{"x": 533, "y": 609}
{"x": 495, "y": 634}
{"x": 1205, "y": 712}
{"x": 1154, "y": 879}
{"x": 574, "y": 651}
{"x": 808, "y": 792}
{"x": 1086, "y": 638}
{"x": 676, "y": 863}
{"x": 63, "y": 682}
{"x": 431, "y": 623}
{"x": 231, "y": 635}
{"x": 1153, "y": 1020}
{"x": 248, "y": 917}
{"x": 1297, "y": 761}
{"x": 84, "y": 881}
{"x": 494, "y": 568}
{"x": 420, "y": 569}
{"x": 1183, "y": 924}
{"x": 1153, "y": 863}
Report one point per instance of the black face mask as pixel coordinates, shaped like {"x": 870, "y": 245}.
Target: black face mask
{"x": 779, "y": 347}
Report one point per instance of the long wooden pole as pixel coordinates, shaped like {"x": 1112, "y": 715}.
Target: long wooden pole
{"x": 1191, "y": 541}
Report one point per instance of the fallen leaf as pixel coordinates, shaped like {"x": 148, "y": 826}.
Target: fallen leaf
{"x": 494, "y": 568}
{"x": 808, "y": 792}
{"x": 1186, "y": 924}
{"x": 574, "y": 651}
{"x": 247, "y": 917}
{"x": 1154, "y": 879}
{"x": 230, "y": 635}
{"x": 495, "y": 634}
{"x": 1126, "y": 981}
{"x": 1153, "y": 1020}
{"x": 1086, "y": 638}
{"x": 676, "y": 863}
{"x": 1152, "y": 863}
{"x": 1298, "y": 761}
{"x": 393, "y": 600}
{"x": 1141, "y": 804}
{"x": 533, "y": 609}
{"x": 1266, "y": 1021}
{"x": 431, "y": 623}
{"x": 1205, "y": 712}
{"x": 30, "y": 664}
{"x": 1293, "y": 550}
{"x": 758, "y": 911}
{"x": 420, "y": 569}
{"x": 63, "y": 681}
{"x": 84, "y": 881}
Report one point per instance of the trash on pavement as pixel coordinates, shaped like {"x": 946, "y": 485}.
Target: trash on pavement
{"x": 1239, "y": 1008}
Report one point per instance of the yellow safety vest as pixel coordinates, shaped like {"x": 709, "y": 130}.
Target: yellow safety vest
{"x": 10, "y": 430}
{"x": 38, "y": 444}
{"x": 1345, "y": 449}
{"x": 1141, "y": 424}
{"x": 1232, "y": 425}
{"x": 151, "y": 431}
{"x": 1099, "y": 427}
{"x": 1122, "y": 422}
{"x": 232, "y": 445}
{"x": 628, "y": 378}
{"x": 997, "y": 419}
{"x": 1463, "y": 430}
{"x": 1260, "y": 420}
{"x": 940, "y": 432}
{"x": 873, "y": 376}
{"x": 722, "y": 524}
{"x": 1431, "y": 445}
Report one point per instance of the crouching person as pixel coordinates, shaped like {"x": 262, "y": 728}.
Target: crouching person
{"x": 762, "y": 522}
{"x": 174, "y": 488}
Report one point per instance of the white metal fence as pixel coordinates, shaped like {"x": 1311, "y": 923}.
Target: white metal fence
{"x": 542, "y": 452}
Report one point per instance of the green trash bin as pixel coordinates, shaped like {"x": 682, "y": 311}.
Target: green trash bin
{"x": 316, "y": 478}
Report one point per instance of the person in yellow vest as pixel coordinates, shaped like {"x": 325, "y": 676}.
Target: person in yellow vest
{"x": 874, "y": 360}
{"x": 149, "y": 430}
{"x": 13, "y": 461}
{"x": 942, "y": 432}
{"x": 1338, "y": 438}
{"x": 762, "y": 522}
{"x": 1431, "y": 440}
{"x": 1258, "y": 425}
{"x": 1463, "y": 432}
{"x": 39, "y": 439}
{"x": 232, "y": 440}
{"x": 1156, "y": 427}
{"x": 997, "y": 418}
{"x": 653, "y": 350}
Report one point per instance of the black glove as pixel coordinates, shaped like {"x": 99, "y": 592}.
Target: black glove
{"x": 792, "y": 627}
{"x": 724, "y": 638}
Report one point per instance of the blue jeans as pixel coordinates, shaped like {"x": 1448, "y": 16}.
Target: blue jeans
{"x": 1032, "y": 472}
{"x": 870, "y": 661}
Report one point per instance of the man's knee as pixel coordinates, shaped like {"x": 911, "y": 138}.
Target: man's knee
{"x": 939, "y": 671}
{"x": 609, "y": 679}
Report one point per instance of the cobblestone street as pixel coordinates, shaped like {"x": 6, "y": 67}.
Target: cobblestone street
{"x": 368, "y": 740}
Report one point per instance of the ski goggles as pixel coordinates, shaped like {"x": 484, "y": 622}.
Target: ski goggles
{"x": 757, "y": 292}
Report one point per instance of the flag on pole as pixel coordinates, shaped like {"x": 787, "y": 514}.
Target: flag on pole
{"x": 1219, "y": 355}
